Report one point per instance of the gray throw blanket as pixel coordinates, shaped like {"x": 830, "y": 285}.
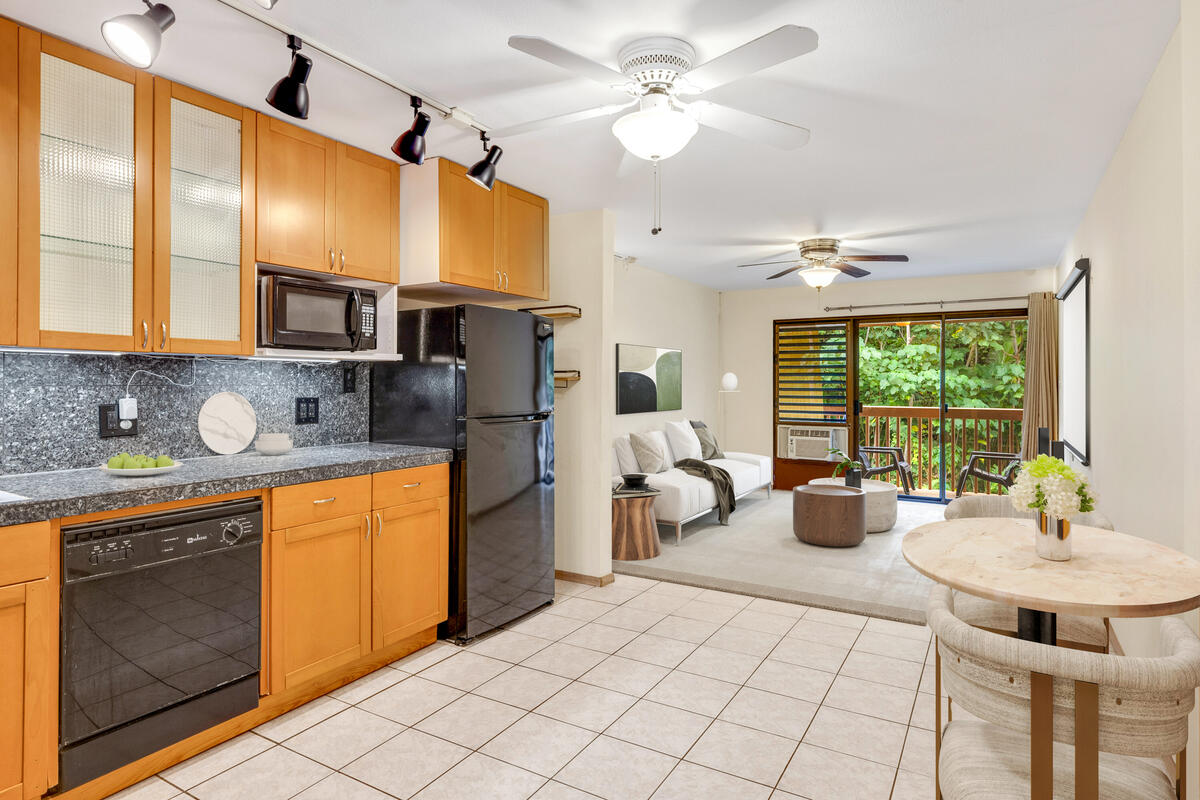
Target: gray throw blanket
{"x": 720, "y": 480}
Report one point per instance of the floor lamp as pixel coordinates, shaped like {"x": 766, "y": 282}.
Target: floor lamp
{"x": 729, "y": 385}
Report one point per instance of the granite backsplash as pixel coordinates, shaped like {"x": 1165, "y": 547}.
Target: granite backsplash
{"x": 49, "y": 404}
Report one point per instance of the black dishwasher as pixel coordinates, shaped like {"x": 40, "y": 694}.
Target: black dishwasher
{"x": 160, "y": 632}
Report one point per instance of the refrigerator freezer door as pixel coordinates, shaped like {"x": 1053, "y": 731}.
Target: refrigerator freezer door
{"x": 509, "y": 362}
{"x": 509, "y": 526}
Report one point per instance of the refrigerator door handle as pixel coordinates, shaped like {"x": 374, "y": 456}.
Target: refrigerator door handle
{"x": 517, "y": 421}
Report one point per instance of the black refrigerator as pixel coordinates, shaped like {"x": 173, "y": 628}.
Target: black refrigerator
{"x": 480, "y": 381}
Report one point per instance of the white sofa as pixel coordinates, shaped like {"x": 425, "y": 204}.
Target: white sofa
{"x": 684, "y": 498}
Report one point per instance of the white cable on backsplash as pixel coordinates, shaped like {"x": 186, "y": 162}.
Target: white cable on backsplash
{"x": 137, "y": 372}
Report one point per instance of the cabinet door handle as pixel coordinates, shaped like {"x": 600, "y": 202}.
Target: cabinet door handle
{"x": 342, "y": 253}
{"x": 331, "y": 259}
{"x": 378, "y": 525}
{"x": 163, "y": 346}
{"x": 145, "y": 334}
{"x": 325, "y": 500}
{"x": 499, "y": 280}
{"x": 368, "y": 534}
{"x": 411, "y": 485}
{"x": 506, "y": 281}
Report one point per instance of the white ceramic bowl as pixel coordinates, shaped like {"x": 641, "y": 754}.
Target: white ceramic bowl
{"x": 275, "y": 437}
{"x": 272, "y": 448}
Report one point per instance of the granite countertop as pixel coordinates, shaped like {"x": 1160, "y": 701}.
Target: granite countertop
{"x": 67, "y": 493}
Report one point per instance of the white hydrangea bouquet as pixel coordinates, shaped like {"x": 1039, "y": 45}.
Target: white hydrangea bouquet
{"x": 1057, "y": 492}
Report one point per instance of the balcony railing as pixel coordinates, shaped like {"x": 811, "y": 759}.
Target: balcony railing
{"x": 918, "y": 429}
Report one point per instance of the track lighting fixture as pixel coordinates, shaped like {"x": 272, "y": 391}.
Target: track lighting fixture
{"x": 290, "y": 94}
{"x": 483, "y": 171}
{"x": 267, "y": 4}
{"x": 136, "y": 38}
{"x": 410, "y": 146}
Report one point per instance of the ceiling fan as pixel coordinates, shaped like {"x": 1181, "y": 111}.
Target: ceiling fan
{"x": 820, "y": 261}
{"x": 656, "y": 71}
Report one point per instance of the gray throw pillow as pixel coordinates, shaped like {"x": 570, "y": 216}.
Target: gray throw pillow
{"x": 708, "y": 443}
{"x": 649, "y": 455}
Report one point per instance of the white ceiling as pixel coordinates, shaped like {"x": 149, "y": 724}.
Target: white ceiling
{"x": 968, "y": 134}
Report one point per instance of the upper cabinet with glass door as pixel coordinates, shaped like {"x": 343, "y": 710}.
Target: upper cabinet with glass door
{"x": 203, "y": 223}
{"x": 85, "y": 132}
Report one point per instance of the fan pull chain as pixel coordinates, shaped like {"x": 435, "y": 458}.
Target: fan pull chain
{"x": 656, "y": 222}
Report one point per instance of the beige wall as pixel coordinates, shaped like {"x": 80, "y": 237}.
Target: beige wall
{"x": 747, "y": 328}
{"x": 650, "y": 308}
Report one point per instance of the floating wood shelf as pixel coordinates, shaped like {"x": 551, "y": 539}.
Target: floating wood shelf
{"x": 556, "y": 312}
{"x": 565, "y": 377}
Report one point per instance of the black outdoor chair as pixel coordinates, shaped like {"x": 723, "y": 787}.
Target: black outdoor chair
{"x": 895, "y": 461}
{"x": 977, "y": 464}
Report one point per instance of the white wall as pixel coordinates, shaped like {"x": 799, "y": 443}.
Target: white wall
{"x": 747, "y": 329}
{"x": 651, "y": 308}
{"x": 581, "y": 274}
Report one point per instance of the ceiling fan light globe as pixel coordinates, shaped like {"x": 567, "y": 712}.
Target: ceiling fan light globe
{"x": 818, "y": 277}
{"x": 655, "y": 133}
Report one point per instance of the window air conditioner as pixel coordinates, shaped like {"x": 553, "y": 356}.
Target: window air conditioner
{"x": 811, "y": 443}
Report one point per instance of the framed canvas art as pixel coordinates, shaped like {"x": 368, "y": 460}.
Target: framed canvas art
{"x": 648, "y": 379}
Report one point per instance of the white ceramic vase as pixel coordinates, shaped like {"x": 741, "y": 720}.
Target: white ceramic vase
{"x": 1053, "y": 538}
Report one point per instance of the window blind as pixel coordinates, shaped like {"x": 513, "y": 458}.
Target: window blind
{"x": 811, "y": 372}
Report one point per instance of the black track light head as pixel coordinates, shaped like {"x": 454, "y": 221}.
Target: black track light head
{"x": 410, "y": 146}
{"x": 290, "y": 93}
{"x": 137, "y": 38}
{"x": 483, "y": 172}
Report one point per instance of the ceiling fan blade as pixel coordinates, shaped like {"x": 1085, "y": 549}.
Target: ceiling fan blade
{"x": 743, "y": 124}
{"x": 787, "y": 271}
{"x": 546, "y": 50}
{"x": 767, "y": 263}
{"x": 874, "y": 258}
{"x": 850, "y": 269}
{"x": 559, "y": 120}
{"x": 781, "y": 44}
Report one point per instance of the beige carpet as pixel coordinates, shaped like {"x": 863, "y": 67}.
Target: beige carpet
{"x": 757, "y": 554}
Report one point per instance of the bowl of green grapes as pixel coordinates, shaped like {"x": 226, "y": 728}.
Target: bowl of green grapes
{"x": 124, "y": 465}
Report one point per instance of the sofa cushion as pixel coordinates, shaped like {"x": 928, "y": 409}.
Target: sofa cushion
{"x": 626, "y": 460}
{"x": 764, "y": 464}
{"x": 653, "y": 453}
{"x": 683, "y": 440}
{"x": 745, "y": 476}
{"x": 679, "y": 494}
{"x": 708, "y": 441}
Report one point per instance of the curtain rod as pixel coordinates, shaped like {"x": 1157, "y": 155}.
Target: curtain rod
{"x": 447, "y": 111}
{"x": 928, "y": 303}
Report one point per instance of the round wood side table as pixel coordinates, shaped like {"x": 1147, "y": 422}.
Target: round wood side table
{"x": 634, "y": 526}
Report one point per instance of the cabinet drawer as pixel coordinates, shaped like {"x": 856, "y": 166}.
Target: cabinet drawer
{"x": 316, "y": 502}
{"x": 408, "y": 485}
{"x": 26, "y": 552}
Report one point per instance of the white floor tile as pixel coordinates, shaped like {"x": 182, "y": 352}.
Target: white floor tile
{"x": 694, "y": 782}
{"x": 343, "y": 737}
{"x": 464, "y": 670}
{"x": 706, "y": 612}
{"x": 425, "y": 657}
{"x": 276, "y": 774}
{"x": 813, "y": 631}
{"x": 763, "y": 622}
{"x": 920, "y": 633}
{"x": 695, "y": 693}
{"x": 773, "y": 713}
{"x": 617, "y": 770}
{"x": 818, "y": 774}
{"x": 405, "y": 764}
{"x": 663, "y": 728}
{"x": 632, "y": 619}
{"x": 547, "y": 626}
{"x": 480, "y": 776}
{"x": 657, "y": 650}
{"x": 793, "y": 680}
{"x": 923, "y": 710}
{"x": 730, "y": 599}
{"x": 470, "y": 720}
{"x": 688, "y": 630}
{"x": 918, "y": 752}
{"x": 633, "y": 582}
{"x": 410, "y": 701}
{"x": 509, "y": 646}
{"x": 895, "y": 646}
{"x": 824, "y": 657}
{"x": 612, "y": 594}
{"x": 603, "y": 638}
{"x": 857, "y": 735}
{"x": 522, "y": 687}
{"x": 367, "y": 685}
{"x": 873, "y": 699}
{"x": 565, "y": 660}
{"x": 154, "y": 788}
{"x": 300, "y": 718}
{"x": 653, "y": 601}
{"x": 912, "y": 786}
{"x": 340, "y": 787}
{"x": 751, "y": 754}
{"x": 580, "y": 608}
{"x": 200, "y": 768}
{"x": 560, "y": 791}
{"x": 569, "y": 587}
{"x": 586, "y": 706}
{"x": 539, "y": 744}
{"x": 855, "y": 621}
{"x": 745, "y": 640}
{"x": 625, "y": 675}
{"x": 724, "y": 665}
{"x": 675, "y": 590}
{"x": 882, "y": 669}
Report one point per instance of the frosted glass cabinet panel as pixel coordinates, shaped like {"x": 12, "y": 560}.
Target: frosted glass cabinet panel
{"x": 203, "y": 272}
{"x": 84, "y": 134}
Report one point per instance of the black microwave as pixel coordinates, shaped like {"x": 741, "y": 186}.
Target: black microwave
{"x": 311, "y": 315}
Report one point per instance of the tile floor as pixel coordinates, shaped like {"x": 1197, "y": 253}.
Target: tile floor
{"x": 636, "y": 690}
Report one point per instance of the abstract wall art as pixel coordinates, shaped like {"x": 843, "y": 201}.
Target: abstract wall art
{"x": 648, "y": 379}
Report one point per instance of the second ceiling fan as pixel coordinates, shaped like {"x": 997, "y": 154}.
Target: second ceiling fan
{"x": 655, "y": 72}
{"x": 820, "y": 261}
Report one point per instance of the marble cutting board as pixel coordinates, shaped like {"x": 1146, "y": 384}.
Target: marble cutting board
{"x": 227, "y": 423}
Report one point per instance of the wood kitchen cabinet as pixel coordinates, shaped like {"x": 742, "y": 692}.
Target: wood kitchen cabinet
{"x": 28, "y": 664}
{"x": 458, "y": 239}
{"x": 204, "y": 182}
{"x": 409, "y": 569}
{"x": 8, "y": 182}
{"x": 325, "y": 206}
{"x": 85, "y": 132}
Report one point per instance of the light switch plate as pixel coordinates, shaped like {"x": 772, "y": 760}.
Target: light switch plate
{"x": 110, "y": 423}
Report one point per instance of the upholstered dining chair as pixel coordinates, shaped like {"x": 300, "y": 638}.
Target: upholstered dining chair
{"x": 1082, "y": 633}
{"x": 1053, "y": 722}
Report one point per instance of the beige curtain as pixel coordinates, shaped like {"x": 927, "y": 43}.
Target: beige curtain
{"x": 1041, "y": 372}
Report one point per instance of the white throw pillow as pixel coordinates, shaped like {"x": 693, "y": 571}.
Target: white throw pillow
{"x": 660, "y": 439}
{"x": 626, "y": 460}
{"x": 684, "y": 441}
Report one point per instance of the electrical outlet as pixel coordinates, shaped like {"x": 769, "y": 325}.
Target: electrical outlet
{"x": 308, "y": 410}
{"x": 110, "y": 423}
{"x": 349, "y": 379}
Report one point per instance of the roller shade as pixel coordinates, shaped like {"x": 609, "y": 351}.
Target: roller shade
{"x": 811, "y": 370}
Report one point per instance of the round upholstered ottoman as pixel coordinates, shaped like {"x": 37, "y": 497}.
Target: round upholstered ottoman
{"x": 829, "y": 515}
{"x": 881, "y": 501}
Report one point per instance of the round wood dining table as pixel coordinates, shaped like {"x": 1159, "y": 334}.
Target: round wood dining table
{"x": 1109, "y": 574}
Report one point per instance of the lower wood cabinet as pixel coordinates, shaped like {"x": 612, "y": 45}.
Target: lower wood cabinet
{"x": 409, "y": 569}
